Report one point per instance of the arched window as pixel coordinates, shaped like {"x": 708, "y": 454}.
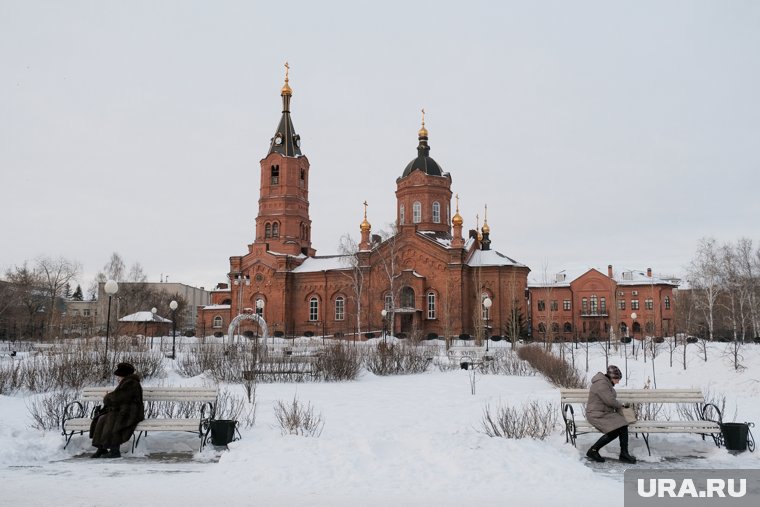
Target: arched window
{"x": 541, "y": 327}
{"x": 649, "y": 327}
{"x": 227, "y": 302}
{"x": 594, "y": 305}
{"x": 401, "y": 214}
{"x": 340, "y": 308}
{"x": 568, "y": 327}
{"x": 623, "y": 329}
{"x": 275, "y": 175}
{"x": 218, "y": 321}
{"x": 407, "y": 297}
{"x": 555, "y": 327}
{"x": 276, "y": 230}
{"x": 268, "y": 230}
{"x": 416, "y": 212}
{"x": 431, "y": 305}
{"x": 313, "y": 309}
{"x": 260, "y": 307}
{"x": 437, "y": 212}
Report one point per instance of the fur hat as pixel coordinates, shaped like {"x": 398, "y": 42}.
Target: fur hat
{"x": 124, "y": 369}
{"x": 614, "y": 372}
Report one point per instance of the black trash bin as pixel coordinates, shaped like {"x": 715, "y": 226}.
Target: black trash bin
{"x": 735, "y": 436}
{"x": 222, "y": 432}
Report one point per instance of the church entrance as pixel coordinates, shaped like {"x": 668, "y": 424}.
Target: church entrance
{"x": 407, "y": 323}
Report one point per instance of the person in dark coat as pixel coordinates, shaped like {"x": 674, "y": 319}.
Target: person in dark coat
{"x": 122, "y": 410}
{"x": 602, "y": 411}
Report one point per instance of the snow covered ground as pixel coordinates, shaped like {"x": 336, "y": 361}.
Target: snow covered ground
{"x": 399, "y": 440}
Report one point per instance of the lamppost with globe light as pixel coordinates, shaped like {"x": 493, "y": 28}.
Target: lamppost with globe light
{"x": 260, "y": 315}
{"x": 487, "y": 302}
{"x": 154, "y": 311}
{"x": 111, "y": 288}
{"x": 384, "y": 313}
{"x": 633, "y": 332}
{"x": 173, "y": 305}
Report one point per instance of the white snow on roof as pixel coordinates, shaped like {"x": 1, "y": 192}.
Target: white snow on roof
{"x": 491, "y": 258}
{"x": 625, "y": 277}
{"x": 216, "y": 307}
{"x": 143, "y": 317}
{"x": 316, "y": 264}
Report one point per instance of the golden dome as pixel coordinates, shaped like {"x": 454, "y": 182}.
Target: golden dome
{"x": 457, "y": 220}
{"x": 365, "y": 226}
{"x": 286, "y": 87}
{"x": 423, "y": 131}
{"x": 486, "y": 229}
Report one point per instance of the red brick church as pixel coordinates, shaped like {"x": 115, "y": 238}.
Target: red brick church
{"x": 429, "y": 278}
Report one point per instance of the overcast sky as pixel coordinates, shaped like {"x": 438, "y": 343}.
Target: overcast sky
{"x": 597, "y": 132}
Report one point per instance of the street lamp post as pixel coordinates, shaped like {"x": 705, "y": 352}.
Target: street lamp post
{"x": 260, "y": 315}
{"x": 111, "y": 287}
{"x": 173, "y": 305}
{"x": 384, "y": 313}
{"x": 487, "y": 302}
{"x": 633, "y": 332}
{"x": 154, "y": 311}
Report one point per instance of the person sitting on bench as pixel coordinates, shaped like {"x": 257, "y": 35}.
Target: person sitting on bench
{"x": 602, "y": 411}
{"x": 122, "y": 410}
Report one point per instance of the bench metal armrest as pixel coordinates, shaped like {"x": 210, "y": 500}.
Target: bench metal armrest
{"x": 704, "y": 413}
{"x": 67, "y": 415}
{"x": 211, "y": 410}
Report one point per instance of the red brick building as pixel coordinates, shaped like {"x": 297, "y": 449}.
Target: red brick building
{"x": 427, "y": 277}
{"x": 593, "y": 304}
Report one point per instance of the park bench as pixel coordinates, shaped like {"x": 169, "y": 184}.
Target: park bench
{"x": 639, "y": 398}
{"x": 76, "y": 420}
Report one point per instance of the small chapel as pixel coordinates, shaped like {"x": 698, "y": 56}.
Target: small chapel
{"x": 429, "y": 278}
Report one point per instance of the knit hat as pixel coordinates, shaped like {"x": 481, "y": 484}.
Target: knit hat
{"x": 614, "y": 372}
{"x": 124, "y": 369}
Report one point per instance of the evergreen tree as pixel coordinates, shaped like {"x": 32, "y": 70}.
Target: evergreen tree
{"x": 67, "y": 291}
{"x": 78, "y": 296}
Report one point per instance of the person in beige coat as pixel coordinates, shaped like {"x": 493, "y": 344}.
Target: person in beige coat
{"x": 602, "y": 411}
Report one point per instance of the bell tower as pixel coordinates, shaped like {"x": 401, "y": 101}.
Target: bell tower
{"x": 283, "y": 221}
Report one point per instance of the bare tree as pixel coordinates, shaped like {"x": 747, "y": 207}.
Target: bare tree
{"x": 385, "y": 255}
{"x": 704, "y": 276}
{"x": 349, "y": 249}
{"x": 26, "y": 292}
{"x": 55, "y": 275}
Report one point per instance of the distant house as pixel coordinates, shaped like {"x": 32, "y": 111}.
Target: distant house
{"x": 144, "y": 323}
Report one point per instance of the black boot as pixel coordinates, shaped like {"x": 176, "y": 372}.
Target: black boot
{"x": 99, "y": 453}
{"x": 593, "y": 453}
{"x": 624, "y": 456}
{"x": 113, "y": 453}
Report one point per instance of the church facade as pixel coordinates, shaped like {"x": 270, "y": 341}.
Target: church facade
{"x": 427, "y": 279}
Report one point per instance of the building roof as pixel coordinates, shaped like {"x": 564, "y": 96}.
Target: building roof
{"x": 216, "y": 307}
{"x": 285, "y": 140}
{"x": 625, "y": 277}
{"x": 423, "y": 162}
{"x": 144, "y": 317}
{"x": 326, "y": 263}
{"x": 491, "y": 258}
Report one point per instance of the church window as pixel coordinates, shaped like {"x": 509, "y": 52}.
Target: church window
{"x": 486, "y": 310}
{"x": 541, "y": 305}
{"x": 313, "y": 309}
{"x": 603, "y": 307}
{"x": 568, "y": 327}
{"x": 388, "y": 302}
{"x": 276, "y": 230}
{"x": 667, "y": 302}
{"x": 566, "y": 305}
{"x": 340, "y": 308}
{"x": 416, "y": 212}
{"x": 268, "y": 230}
{"x": 401, "y": 217}
{"x": 260, "y": 307}
{"x": 649, "y": 303}
{"x": 431, "y": 305}
{"x": 218, "y": 321}
{"x": 302, "y": 181}
{"x": 275, "y": 179}
{"x": 437, "y": 212}
{"x": 594, "y": 305}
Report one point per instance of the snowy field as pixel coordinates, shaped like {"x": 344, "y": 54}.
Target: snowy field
{"x": 401, "y": 440}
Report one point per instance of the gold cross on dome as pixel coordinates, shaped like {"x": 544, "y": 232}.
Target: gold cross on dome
{"x": 423, "y": 116}
{"x": 365, "y": 209}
